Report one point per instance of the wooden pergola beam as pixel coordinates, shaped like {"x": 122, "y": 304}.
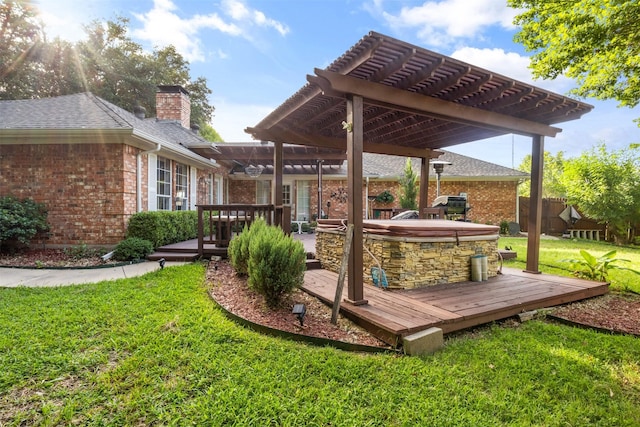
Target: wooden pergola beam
{"x": 450, "y": 111}
{"x": 291, "y": 137}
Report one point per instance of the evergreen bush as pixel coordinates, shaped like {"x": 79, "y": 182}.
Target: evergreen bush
{"x": 409, "y": 187}
{"x": 20, "y": 221}
{"x": 276, "y": 264}
{"x": 238, "y": 250}
{"x": 133, "y": 248}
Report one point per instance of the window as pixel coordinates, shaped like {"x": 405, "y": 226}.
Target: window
{"x": 303, "y": 201}
{"x": 286, "y": 194}
{"x": 182, "y": 186}
{"x": 263, "y": 192}
{"x": 163, "y": 184}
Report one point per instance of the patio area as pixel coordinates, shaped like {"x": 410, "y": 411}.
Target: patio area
{"x": 392, "y": 314}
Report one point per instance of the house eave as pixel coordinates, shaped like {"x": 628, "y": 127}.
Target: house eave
{"x": 174, "y": 151}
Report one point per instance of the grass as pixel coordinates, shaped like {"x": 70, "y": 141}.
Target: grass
{"x": 154, "y": 350}
{"x": 553, "y": 251}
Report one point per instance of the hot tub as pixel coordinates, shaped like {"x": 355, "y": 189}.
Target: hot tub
{"x": 413, "y": 253}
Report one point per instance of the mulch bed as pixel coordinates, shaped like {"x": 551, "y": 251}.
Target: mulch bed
{"x": 612, "y": 312}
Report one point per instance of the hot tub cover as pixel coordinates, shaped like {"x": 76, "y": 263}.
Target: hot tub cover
{"x": 416, "y": 227}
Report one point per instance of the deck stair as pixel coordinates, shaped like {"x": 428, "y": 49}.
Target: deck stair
{"x": 172, "y": 256}
{"x": 182, "y": 251}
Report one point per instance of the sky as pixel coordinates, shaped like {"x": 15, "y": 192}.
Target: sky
{"x": 255, "y": 54}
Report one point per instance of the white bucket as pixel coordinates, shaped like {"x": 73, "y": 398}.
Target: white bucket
{"x": 476, "y": 268}
{"x": 485, "y": 267}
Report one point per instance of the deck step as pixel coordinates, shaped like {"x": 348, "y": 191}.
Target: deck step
{"x": 173, "y": 256}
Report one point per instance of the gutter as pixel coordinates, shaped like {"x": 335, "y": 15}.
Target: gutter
{"x": 139, "y": 174}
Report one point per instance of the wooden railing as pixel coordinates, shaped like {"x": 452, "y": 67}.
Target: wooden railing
{"x": 217, "y": 224}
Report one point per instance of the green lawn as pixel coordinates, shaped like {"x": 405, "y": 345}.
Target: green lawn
{"x": 553, "y": 251}
{"x": 154, "y": 350}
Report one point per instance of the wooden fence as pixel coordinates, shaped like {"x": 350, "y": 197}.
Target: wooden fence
{"x": 551, "y": 222}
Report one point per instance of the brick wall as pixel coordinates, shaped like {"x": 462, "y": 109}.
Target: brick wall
{"x": 242, "y": 191}
{"x": 88, "y": 189}
{"x": 491, "y": 201}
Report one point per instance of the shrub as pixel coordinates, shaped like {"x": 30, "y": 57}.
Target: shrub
{"x": 504, "y": 227}
{"x": 238, "y": 249}
{"x": 20, "y": 221}
{"x": 133, "y": 248}
{"x": 164, "y": 227}
{"x": 276, "y": 264}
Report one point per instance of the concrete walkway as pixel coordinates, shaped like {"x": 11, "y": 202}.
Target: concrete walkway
{"x": 36, "y": 277}
{"x": 32, "y": 278}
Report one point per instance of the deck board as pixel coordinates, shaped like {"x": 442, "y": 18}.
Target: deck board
{"x": 392, "y": 314}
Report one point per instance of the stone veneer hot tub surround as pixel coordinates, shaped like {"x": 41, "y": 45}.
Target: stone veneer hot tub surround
{"x": 413, "y": 253}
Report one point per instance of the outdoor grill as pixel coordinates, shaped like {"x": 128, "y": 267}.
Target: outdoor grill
{"x": 452, "y": 205}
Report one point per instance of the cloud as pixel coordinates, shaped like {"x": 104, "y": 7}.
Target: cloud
{"x": 239, "y": 12}
{"x": 441, "y": 23}
{"x": 510, "y": 64}
{"x": 162, "y": 26}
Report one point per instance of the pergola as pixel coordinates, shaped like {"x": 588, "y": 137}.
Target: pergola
{"x": 390, "y": 97}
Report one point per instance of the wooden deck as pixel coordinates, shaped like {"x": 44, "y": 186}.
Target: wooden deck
{"x": 188, "y": 250}
{"x": 392, "y": 314}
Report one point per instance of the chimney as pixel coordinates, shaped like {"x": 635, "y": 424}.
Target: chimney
{"x": 172, "y": 103}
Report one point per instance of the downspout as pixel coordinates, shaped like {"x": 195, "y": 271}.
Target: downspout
{"x": 518, "y": 201}
{"x": 366, "y": 197}
{"x": 139, "y": 174}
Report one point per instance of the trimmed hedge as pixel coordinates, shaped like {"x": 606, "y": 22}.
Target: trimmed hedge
{"x": 164, "y": 227}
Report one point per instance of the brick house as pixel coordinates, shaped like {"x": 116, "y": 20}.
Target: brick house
{"x": 491, "y": 190}
{"x": 94, "y": 164}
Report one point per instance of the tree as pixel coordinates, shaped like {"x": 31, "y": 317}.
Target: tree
{"x": 209, "y": 133}
{"x": 107, "y": 63}
{"x": 409, "y": 187}
{"x": 201, "y": 110}
{"x": 21, "y": 38}
{"x": 606, "y": 187}
{"x": 116, "y": 68}
{"x": 596, "y": 42}
{"x": 551, "y": 181}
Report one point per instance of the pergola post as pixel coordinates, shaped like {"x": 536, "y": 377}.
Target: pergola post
{"x": 355, "y": 107}
{"x": 423, "y": 198}
{"x": 276, "y": 191}
{"x": 277, "y": 174}
{"x": 534, "y": 228}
